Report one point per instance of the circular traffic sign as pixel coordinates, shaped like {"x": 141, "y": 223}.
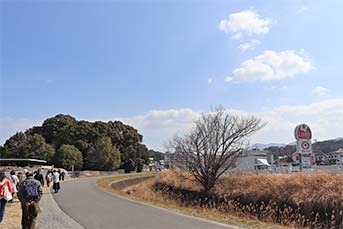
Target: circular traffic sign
{"x": 305, "y": 145}
{"x": 303, "y": 131}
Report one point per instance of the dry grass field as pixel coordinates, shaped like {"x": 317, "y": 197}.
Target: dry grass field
{"x": 12, "y": 216}
{"x": 145, "y": 192}
{"x": 297, "y": 200}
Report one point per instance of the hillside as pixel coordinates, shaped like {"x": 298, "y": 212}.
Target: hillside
{"x": 323, "y": 146}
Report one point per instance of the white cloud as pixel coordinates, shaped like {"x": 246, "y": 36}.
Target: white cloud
{"x": 324, "y": 106}
{"x": 324, "y": 117}
{"x": 251, "y": 44}
{"x": 320, "y": 91}
{"x": 280, "y": 88}
{"x": 246, "y": 22}
{"x": 210, "y": 81}
{"x": 272, "y": 65}
{"x": 158, "y": 126}
{"x": 303, "y": 10}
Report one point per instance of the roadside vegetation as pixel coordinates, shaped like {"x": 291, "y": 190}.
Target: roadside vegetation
{"x": 146, "y": 192}
{"x": 297, "y": 200}
{"x": 105, "y": 183}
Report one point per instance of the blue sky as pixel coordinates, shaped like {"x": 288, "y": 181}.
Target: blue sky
{"x": 158, "y": 64}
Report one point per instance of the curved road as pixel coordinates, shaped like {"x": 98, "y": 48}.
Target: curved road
{"x": 95, "y": 208}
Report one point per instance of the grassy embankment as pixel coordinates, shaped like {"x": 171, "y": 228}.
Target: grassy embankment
{"x": 146, "y": 191}
{"x": 105, "y": 182}
{"x": 297, "y": 200}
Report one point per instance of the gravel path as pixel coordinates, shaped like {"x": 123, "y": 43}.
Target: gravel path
{"x": 52, "y": 216}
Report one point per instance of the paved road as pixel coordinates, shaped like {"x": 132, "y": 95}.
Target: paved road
{"x": 52, "y": 217}
{"x": 94, "y": 208}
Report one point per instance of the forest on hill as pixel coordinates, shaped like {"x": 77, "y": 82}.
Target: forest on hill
{"x": 317, "y": 147}
{"x": 64, "y": 141}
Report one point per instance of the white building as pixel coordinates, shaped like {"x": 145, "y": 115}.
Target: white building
{"x": 169, "y": 160}
{"x": 252, "y": 160}
{"x": 336, "y": 157}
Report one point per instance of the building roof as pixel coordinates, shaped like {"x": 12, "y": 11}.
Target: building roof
{"x": 22, "y": 160}
{"x": 256, "y": 153}
{"x": 261, "y": 161}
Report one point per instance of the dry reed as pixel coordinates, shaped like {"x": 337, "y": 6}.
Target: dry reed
{"x": 300, "y": 200}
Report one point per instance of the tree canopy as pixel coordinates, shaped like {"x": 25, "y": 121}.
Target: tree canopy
{"x": 67, "y": 156}
{"x": 103, "y": 155}
{"x": 41, "y": 142}
{"x": 22, "y": 145}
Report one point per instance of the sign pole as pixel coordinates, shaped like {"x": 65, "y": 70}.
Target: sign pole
{"x": 301, "y": 162}
{"x": 303, "y": 135}
{"x": 72, "y": 171}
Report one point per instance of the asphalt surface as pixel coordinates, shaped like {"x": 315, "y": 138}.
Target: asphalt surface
{"x": 95, "y": 208}
{"x": 51, "y": 216}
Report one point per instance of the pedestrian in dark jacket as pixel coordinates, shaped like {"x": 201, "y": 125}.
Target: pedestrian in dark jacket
{"x": 38, "y": 176}
{"x": 30, "y": 193}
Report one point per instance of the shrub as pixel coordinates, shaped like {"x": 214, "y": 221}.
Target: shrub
{"x": 67, "y": 156}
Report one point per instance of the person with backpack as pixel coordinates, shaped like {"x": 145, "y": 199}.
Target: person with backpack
{"x": 30, "y": 193}
{"x": 5, "y": 193}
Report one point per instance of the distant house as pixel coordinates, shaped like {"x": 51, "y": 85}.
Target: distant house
{"x": 284, "y": 161}
{"x": 169, "y": 160}
{"x": 155, "y": 165}
{"x": 336, "y": 157}
{"x": 252, "y": 160}
{"x": 321, "y": 158}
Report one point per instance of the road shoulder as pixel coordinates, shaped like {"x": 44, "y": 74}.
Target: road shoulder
{"x": 52, "y": 216}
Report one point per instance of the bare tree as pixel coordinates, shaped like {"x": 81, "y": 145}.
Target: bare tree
{"x": 214, "y": 145}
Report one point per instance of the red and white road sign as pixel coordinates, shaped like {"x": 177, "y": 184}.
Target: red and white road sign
{"x": 304, "y": 146}
{"x": 303, "y": 135}
{"x": 302, "y": 131}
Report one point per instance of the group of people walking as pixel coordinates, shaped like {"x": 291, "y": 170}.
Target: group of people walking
{"x": 28, "y": 186}
{"x": 54, "y": 176}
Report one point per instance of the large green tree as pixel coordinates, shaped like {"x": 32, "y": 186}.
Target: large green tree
{"x": 67, "y": 156}
{"x": 2, "y": 151}
{"x": 103, "y": 155}
{"x": 22, "y": 145}
{"x": 66, "y": 130}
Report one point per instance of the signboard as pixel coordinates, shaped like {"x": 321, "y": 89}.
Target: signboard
{"x": 302, "y": 131}
{"x": 304, "y": 147}
{"x": 307, "y": 160}
{"x": 303, "y": 135}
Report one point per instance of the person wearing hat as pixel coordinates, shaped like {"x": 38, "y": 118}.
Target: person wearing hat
{"x": 29, "y": 194}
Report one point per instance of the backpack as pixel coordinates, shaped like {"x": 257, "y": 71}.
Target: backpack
{"x": 31, "y": 189}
